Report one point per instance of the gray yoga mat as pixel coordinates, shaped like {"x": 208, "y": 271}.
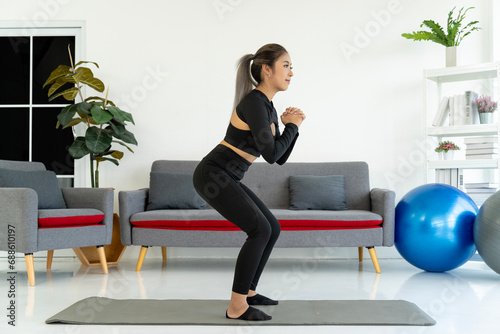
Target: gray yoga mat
{"x": 106, "y": 311}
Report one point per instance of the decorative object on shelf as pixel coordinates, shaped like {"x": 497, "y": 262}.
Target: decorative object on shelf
{"x": 447, "y": 148}
{"x": 485, "y": 107}
{"x": 105, "y": 121}
{"x": 452, "y": 39}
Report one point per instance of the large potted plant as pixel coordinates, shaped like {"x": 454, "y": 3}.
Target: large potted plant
{"x": 106, "y": 123}
{"x": 453, "y": 36}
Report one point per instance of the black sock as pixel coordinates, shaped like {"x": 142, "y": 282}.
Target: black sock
{"x": 261, "y": 300}
{"x": 252, "y": 314}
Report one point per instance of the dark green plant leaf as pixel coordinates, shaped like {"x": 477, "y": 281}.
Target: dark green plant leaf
{"x": 127, "y": 137}
{"x": 67, "y": 114}
{"x": 123, "y": 144}
{"x": 120, "y": 114}
{"x": 100, "y": 116}
{"x": 84, "y": 108}
{"x": 78, "y": 149}
{"x": 68, "y": 94}
{"x": 116, "y": 128}
{"x": 97, "y": 140}
{"x": 60, "y": 71}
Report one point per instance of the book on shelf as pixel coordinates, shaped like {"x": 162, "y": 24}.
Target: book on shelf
{"x": 442, "y": 112}
{"x": 481, "y": 146}
{"x": 480, "y": 156}
{"x": 481, "y": 191}
{"x": 459, "y": 109}
{"x": 481, "y": 140}
{"x": 469, "y": 151}
{"x": 450, "y": 176}
{"x": 470, "y": 108}
{"x": 479, "y": 185}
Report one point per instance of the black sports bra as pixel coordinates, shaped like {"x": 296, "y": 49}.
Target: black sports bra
{"x": 258, "y": 112}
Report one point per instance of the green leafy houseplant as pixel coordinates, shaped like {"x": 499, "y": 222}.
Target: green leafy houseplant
{"x": 106, "y": 123}
{"x": 454, "y": 33}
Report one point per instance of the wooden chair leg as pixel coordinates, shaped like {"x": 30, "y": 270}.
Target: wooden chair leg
{"x": 30, "y": 268}
{"x": 142, "y": 255}
{"x": 360, "y": 254}
{"x": 373, "y": 255}
{"x": 50, "y": 256}
{"x": 102, "y": 259}
{"x": 164, "y": 253}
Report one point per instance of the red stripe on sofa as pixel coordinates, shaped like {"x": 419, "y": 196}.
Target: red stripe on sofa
{"x": 72, "y": 221}
{"x": 286, "y": 225}
{"x": 237, "y": 229}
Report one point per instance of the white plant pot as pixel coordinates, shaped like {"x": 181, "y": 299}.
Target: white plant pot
{"x": 448, "y": 155}
{"x": 451, "y": 56}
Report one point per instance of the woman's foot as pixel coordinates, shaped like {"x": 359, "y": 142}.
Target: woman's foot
{"x": 251, "y": 314}
{"x": 260, "y": 300}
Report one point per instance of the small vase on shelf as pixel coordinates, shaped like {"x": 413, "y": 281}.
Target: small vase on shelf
{"x": 451, "y": 56}
{"x": 448, "y": 155}
{"x": 486, "y": 117}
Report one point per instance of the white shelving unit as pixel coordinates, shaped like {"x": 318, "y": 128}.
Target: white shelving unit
{"x": 436, "y": 82}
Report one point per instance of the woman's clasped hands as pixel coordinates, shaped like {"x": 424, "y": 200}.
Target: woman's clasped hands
{"x": 293, "y": 115}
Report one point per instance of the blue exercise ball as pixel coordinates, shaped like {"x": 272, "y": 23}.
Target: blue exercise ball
{"x": 434, "y": 227}
{"x": 487, "y": 232}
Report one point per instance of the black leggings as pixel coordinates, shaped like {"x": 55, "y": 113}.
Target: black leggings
{"x": 217, "y": 180}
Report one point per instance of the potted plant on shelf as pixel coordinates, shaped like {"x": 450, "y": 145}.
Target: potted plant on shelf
{"x": 447, "y": 149}
{"x": 453, "y": 36}
{"x": 106, "y": 123}
{"x": 485, "y": 107}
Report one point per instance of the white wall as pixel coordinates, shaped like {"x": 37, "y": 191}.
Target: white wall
{"x": 357, "y": 79}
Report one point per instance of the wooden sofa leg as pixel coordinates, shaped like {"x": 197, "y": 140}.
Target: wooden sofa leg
{"x": 50, "y": 256}
{"x": 164, "y": 253}
{"x": 102, "y": 259}
{"x": 142, "y": 255}
{"x": 373, "y": 255}
{"x": 30, "y": 268}
{"x": 360, "y": 254}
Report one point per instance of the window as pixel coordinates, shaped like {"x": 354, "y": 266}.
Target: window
{"x": 27, "y": 118}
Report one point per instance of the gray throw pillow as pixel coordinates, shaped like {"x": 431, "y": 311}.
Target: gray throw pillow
{"x": 173, "y": 191}
{"x": 311, "y": 192}
{"x": 44, "y": 182}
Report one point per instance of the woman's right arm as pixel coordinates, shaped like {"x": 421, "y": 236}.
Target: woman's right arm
{"x": 258, "y": 119}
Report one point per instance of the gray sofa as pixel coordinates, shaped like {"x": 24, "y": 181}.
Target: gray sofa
{"x": 85, "y": 219}
{"x": 271, "y": 184}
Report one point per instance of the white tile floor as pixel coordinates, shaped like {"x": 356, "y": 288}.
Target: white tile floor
{"x": 465, "y": 300}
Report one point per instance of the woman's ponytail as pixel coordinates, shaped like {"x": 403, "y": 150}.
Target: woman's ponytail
{"x": 249, "y": 73}
{"x": 244, "y": 82}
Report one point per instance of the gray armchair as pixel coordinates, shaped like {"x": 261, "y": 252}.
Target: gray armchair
{"x": 86, "y": 218}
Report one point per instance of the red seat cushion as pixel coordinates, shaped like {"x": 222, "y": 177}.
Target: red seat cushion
{"x": 63, "y": 218}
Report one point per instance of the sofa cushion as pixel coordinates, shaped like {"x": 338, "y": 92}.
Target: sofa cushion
{"x": 211, "y": 220}
{"x": 312, "y": 192}
{"x": 43, "y": 182}
{"x": 69, "y": 218}
{"x": 173, "y": 191}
